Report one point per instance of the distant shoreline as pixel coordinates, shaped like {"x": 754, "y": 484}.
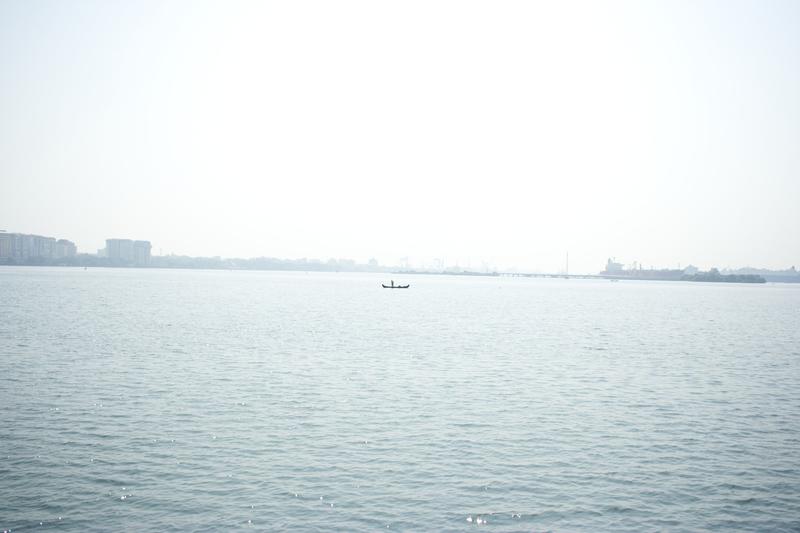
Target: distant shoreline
{"x": 702, "y": 277}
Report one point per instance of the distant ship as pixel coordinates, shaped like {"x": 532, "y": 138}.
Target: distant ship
{"x": 615, "y": 271}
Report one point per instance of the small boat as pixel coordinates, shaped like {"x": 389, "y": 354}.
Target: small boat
{"x": 393, "y": 286}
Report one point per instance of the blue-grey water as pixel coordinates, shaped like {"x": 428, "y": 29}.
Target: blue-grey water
{"x": 193, "y": 400}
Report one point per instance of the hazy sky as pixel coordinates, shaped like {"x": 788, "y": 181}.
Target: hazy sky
{"x": 505, "y": 132}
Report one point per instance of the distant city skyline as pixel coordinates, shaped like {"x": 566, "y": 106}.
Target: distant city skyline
{"x": 20, "y": 246}
{"x": 130, "y": 252}
{"x": 659, "y": 132}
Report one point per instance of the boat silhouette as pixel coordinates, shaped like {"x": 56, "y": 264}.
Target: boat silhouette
{"x": 393, "y": 286}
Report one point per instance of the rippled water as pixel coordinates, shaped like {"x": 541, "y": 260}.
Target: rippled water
{"x": 181, "y": 400}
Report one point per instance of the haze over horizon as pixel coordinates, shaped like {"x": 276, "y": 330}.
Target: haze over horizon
{"x": 661, "y": 132}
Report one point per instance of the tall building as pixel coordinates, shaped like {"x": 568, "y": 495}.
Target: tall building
{"x": 22, "y": 247}
{"x": 65, "y": 248}
{"x": 141, "y": 253}
{"x": 128, "y": 252}
{"x": 119, "y": 250}
{"x": 6, "y": 241}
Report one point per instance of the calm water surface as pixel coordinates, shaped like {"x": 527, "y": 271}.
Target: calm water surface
{"x": 194, "y": 400}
